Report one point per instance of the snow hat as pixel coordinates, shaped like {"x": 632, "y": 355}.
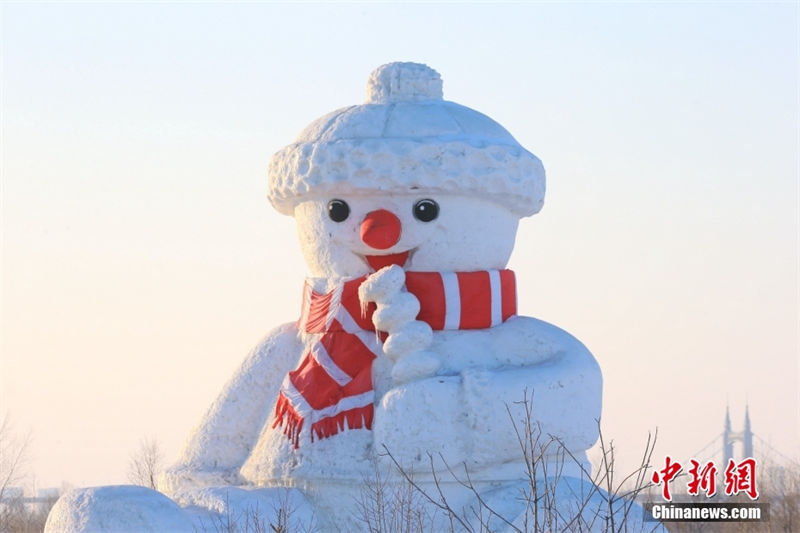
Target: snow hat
{"x": 406, "y": 138}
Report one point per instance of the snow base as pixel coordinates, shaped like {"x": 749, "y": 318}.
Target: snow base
{"x": 354, "y": 508}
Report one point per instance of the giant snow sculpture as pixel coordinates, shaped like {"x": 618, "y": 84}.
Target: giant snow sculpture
{"x": 408, "y": 352}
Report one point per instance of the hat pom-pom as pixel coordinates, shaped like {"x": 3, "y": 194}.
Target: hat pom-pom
{"x": 403, "y": 82}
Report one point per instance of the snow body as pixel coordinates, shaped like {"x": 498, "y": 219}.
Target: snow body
{"x": 460, "y": 414}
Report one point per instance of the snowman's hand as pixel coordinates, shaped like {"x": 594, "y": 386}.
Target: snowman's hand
{"x": 395, "y": 313}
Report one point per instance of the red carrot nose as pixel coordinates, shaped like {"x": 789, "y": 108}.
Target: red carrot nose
{"x": 380, "y": 229}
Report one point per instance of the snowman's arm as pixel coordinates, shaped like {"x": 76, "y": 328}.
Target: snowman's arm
{"x": 230, "y": 428}
{"x": 467, "y": 417}
{"x": 559, "y": 398}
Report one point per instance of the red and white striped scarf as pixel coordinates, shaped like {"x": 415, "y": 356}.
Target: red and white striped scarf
{"x": 332, "y": 386}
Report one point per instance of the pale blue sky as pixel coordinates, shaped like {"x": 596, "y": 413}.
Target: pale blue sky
{"x": 141, "y": 259}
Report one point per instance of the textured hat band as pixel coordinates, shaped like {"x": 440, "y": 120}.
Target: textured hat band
{"x": 509, "y": 175}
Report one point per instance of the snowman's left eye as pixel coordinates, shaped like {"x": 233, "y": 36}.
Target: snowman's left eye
{"x": 338, "y": 210}
{"x": 426, "y": 210}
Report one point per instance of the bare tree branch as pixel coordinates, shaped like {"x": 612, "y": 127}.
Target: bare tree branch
{"x": 145, "y": 464}
{"x": 13, "y": 451}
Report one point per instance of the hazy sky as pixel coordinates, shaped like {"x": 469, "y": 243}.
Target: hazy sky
{"x": 141, "y": 260}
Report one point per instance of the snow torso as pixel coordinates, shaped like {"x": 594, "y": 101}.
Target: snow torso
{"x": 481, "y": 371}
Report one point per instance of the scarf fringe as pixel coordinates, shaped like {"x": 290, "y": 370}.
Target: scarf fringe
{"x": 294, "y": 422}
{"x": 358, "y": 418}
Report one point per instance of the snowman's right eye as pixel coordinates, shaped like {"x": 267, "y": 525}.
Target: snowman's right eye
{"x": 426, "y": 210}
{"x": 338, "y": 210}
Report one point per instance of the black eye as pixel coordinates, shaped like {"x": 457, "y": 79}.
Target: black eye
{"x": 426, "y": 210}
{"x": 338, "y": 210}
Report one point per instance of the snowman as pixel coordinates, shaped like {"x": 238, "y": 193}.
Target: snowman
{"x": 409, "y": 357}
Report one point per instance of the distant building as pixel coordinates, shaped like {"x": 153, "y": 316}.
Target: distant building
{"x": 12, "y": 493}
